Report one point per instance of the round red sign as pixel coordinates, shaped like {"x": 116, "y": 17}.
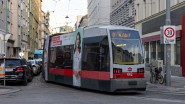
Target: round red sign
{"x": 169, "y": 32}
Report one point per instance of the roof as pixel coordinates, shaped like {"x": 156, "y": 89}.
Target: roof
{"x": 109, "y": 27}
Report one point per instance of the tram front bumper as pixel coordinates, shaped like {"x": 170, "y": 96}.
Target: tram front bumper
{"x": 136, "y": 84}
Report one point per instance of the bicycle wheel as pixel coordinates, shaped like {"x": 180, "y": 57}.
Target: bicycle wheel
{"x": 152, "y": 78}
{"x": 160, "y": 79}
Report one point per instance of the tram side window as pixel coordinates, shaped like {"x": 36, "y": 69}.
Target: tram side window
{"x": 91, "y": 57}
{"x": 61, "y": 57}
{"x": 104, "y": 55}
{"x": 96, "y": 56}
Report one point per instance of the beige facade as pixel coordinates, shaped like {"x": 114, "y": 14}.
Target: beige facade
{"x": 20, "y": 27}
{"x": 44, "y": 28}
{"x": 34, "y": 28}
{"x": 83, "y": 22}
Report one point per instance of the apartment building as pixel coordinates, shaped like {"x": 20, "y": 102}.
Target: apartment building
{"x": 20, "y": 27}
{"x": 150, "y": 16}
{"x": 122, "y": 13}
{"x": 34, "y": 27}
{"x": 98, "y": 12}
{"x": 2, "y": 24}
{"x": 44, "y": 28}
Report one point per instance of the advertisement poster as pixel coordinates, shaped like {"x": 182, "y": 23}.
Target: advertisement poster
{"x": 62, "y": 40}
{"x": 78, "y": 37}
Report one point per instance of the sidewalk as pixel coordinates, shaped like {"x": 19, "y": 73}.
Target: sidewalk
{"x": 6, "y": 90}
{"x": 177, "y": 85}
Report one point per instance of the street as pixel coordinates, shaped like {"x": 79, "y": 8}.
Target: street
{"x": 40, "y": 92}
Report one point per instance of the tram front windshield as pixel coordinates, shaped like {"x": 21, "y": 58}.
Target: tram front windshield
{"x": 126, "y": 47}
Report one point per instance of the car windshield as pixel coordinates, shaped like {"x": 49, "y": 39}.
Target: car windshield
{"x": 11, "y": 62}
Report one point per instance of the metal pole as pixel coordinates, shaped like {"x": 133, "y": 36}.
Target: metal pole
{"x": 4, "y": 60}
{"x": 167, "y": 50}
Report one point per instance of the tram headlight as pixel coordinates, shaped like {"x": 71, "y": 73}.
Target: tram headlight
{"x": 140, "y": 70}
{"x": 117, "y": 71}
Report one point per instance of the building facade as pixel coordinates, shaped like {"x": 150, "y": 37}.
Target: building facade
{"x": 20, "y": 27}
{"x": 122, "y": 13}
{"x": 150, "y": 16}
{"x": 34, "y": 27}
{"x": 44, "y": 28}
{"x": 98, "y": 12}
{"x": 24, "y": 27}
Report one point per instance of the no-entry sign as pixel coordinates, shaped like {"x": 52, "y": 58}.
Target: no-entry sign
{"x": 169, "y": 34}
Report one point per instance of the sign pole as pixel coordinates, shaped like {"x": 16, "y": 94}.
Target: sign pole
{"x": 167, "y": 50}
{"x": 4, "y": 60}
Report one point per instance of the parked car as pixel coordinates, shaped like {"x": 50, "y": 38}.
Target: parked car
{"x": 39, "y": 61}
{"x": 36, "y": 67}
{"x": 16, "y": 70}
{"x": 30, "y": 67}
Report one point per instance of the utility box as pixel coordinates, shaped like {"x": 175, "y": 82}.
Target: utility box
{"x": 157, "y": 64}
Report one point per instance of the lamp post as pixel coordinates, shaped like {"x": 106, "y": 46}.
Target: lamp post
{"x": 167, "y": 48}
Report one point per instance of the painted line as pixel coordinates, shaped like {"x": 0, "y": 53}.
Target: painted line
{"x": 158, "y": 99}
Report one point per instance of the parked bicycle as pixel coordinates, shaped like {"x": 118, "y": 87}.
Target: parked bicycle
{"x": 156, "y": 75}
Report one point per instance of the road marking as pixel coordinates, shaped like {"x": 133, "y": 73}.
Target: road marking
{"x": 158, "y": 99}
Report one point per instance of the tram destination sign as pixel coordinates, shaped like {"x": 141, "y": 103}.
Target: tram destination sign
{"x": 169, "y": 35}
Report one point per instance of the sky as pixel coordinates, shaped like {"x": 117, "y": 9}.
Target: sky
{"x": 59, "y": 10}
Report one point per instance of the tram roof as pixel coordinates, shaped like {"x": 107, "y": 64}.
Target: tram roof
{"x": 108, "y": 27}
{"x": 101, "y": 30}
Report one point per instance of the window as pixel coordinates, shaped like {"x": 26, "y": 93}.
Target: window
{"x": 178, "y": 52}
{"x": 146, "y": 45}
{"x": 160, "y": 53}
{"x": 96, "y": 56}
{"x": 61, "y": 57}
{"x": 153, "y": 50}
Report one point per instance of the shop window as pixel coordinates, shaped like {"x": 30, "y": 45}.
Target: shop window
{"x": 160, "y": 51}
{"x": 178, "y": 52}
{"x": 146, "y": 45}
{"x": 153, "y": 50}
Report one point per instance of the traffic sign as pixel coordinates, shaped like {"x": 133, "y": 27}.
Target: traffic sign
{"x": 21, "y": 54}
{"x": 169, "y": 34}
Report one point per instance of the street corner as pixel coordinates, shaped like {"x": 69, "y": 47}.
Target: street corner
{"x": 7, "y": 90}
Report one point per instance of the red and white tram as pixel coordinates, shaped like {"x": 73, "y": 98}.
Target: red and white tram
{"x": 106, "y": 58}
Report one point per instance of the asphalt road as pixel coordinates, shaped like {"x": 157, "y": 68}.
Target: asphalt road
{"x": 40, "y": 92}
